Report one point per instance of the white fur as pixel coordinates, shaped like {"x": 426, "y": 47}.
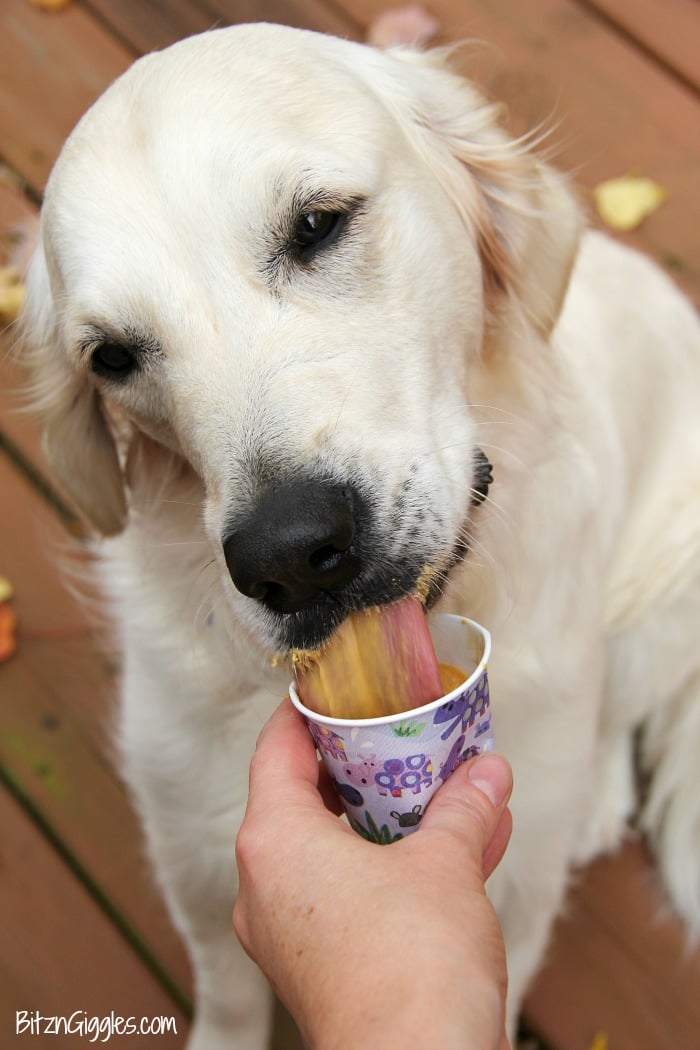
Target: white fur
{"x": 434, "y": 330}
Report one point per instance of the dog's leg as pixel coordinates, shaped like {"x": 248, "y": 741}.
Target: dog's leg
{"x": 188, "y": 771}
{"x": 671, "y": 815}
{"x": 233, "y": 1006}
{"x": 546, "y": 725}
{"x": 527, "y": 891}
{"x": 613, "y": 802}
{"x": 654, "y": 681}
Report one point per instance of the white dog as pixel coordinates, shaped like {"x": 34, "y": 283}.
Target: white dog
{"x": 290, "y": 292}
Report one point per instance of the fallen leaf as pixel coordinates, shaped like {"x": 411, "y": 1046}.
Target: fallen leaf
{"x": 50, "y": 5}
{"x": 8, "y": 632}
{"x": 11, "y": 293}
{"x": 623, "y": 203}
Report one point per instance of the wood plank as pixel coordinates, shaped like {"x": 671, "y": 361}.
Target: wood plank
{"x": 620, "y": 112}
{"x": 53, "y": 747}
{"x": 57, "y": 694}
{"x": 670, "y": 30}
{"x": 54, "y": 66}
{"x": 151, "y": 26}
{"x": 65, "y": 955}
{"x": 552, "y": 59}
{"x": 148, "y": 27}
{"x": 304, "y": 14}
{"x": 620, "y": 964}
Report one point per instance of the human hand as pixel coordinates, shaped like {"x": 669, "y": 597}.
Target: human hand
{"x": 365, "y": 944}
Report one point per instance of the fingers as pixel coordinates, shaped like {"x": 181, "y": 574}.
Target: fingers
{"x": 285, "y": 766}
{"x": 285, "y": 760}
{"x": 492, "y": 775}
{"x": 471, "y": 806}
{"x": 497, "y": 847}
{"x": 285, "y": 743}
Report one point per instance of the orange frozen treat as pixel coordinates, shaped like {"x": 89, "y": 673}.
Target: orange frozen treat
{"x": 380, "y": 661}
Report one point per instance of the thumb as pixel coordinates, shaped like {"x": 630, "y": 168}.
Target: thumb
{"x": 472, "y": 807}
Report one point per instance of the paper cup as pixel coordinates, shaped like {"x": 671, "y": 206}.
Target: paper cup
{"x": 387, "y": 769}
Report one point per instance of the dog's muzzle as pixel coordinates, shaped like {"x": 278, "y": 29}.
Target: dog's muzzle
{"x": 297, "y": 546}
{"x": 309, "y": 553}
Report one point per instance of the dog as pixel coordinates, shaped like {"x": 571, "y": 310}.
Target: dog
{"x": 291, "y": 295}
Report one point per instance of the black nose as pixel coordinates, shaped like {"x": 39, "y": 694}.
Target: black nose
{"x": 297, "y": 546}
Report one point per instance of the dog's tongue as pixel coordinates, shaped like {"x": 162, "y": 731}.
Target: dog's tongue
{"x": 380, "y": 661}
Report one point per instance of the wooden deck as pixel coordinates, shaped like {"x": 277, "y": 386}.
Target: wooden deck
{"x": 82, "y": 925}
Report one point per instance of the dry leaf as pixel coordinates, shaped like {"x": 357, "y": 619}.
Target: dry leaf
{"x": 11, "y": 293}
{"x": 8, "y": 632}
{"x": 623, "y": 203}
{"x": 8, "y": 621}
{"x": 50, "y": 5}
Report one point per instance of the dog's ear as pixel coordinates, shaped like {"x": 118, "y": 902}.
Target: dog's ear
{"x": 77, "y": 440}
{"x": 523, "y": 215}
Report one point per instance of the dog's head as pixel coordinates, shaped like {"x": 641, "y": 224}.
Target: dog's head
{"x": 281, "y": 256}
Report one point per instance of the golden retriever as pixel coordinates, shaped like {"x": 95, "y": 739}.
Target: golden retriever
{"x": 292, "y": 296}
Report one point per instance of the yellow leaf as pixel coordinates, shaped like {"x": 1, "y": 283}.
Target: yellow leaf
{"x": 11, "y": 294}
{"x": 50, "y": 5}
{"x": 600, "y": 1042}
{"x": 6, "y": 589}
{"x": 623, "y": 203}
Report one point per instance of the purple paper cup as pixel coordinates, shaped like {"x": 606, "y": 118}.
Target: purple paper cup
{"x": 387, "y": 769}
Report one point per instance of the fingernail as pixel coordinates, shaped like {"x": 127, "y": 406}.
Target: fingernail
{"x": 491, "y": 775}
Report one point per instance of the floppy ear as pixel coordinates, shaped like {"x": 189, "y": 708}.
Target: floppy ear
{"x": 524, "y": 217}
{"x": 77, "y": 440}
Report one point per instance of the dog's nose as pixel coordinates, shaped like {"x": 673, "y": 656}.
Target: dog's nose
{"x": 296, "y": 546}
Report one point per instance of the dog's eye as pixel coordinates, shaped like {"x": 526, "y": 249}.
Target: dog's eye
{"x": 316, "y": 228}
{"x": 113, "y": 361}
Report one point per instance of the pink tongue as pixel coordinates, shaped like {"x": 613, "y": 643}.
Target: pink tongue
{"x": 410, "y": 657}
{"x": 380, "y": 661}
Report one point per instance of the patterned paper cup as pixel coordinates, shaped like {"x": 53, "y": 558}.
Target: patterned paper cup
{"x": 387, "y": 769}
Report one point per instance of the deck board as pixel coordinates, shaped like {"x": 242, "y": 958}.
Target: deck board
{"x": 670, "y": 31}
{"x": 148, "y": 27}
{"x": 620, "y": 77}
{"x": 618, "y": 965}
{"x": 53, "y": 68}
{"x": 550, "y": 60}
{"x": 66, "y": 954}
{"x": 616, "y": 110}
{"x": 55, "y": 725}
{"x": 305, "y": 14}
